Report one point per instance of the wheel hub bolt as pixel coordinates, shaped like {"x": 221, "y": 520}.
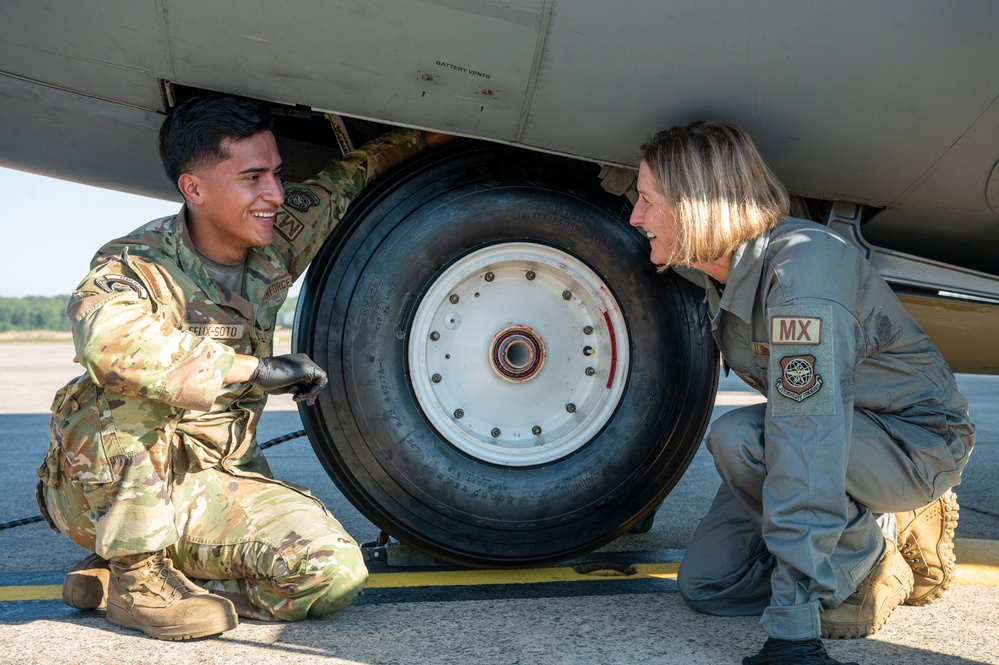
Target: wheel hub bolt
{"x": 454, "y": 298}
{"x": 436, "y": 378}
{"x": 590, "y": 371}
{"x": 535, "y": 430}
{"x": 495, "y": 432}
{"x": 435, "y": 335}
{"x": 588, "y": 330}
{"x": 571, "y": 408}
{"x": 567, "y": 295}
{"x": 490, "y": 277}
{"x": 530, "y": 275}
{"x": 458, "y": 413}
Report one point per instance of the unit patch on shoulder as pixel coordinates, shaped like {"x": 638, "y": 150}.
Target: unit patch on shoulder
{"x": 120, "y": 283}
{"x": 801, "y": 345}
{"x": 798, "y": 381}
{"x": 300, "y": 198}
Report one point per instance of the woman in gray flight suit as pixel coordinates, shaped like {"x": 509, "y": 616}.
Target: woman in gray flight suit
{"x": 835, "y": 505}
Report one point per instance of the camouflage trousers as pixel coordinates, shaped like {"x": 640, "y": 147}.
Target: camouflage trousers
{"x": 271, "y": 548}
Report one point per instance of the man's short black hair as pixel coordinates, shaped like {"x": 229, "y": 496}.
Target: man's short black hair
{"x": 195, "y": 131}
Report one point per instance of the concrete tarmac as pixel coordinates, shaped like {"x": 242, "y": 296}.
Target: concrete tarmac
{"x": 442, "y": 614}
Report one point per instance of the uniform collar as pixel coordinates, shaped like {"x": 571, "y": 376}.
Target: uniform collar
{"x": 738, "y": 294}
{"x": 262, "y": 270}
{"x": 188, "y": 257}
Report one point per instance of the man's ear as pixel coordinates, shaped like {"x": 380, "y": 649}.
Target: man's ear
{"x": 191, "y": 188}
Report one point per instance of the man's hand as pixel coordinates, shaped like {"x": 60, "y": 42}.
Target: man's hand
{"x": 293, "y": 373}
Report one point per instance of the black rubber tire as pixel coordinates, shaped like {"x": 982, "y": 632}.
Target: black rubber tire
{"x": 368, "y": 429}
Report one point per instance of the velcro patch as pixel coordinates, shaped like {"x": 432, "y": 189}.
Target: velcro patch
{"x": 802, "y": 369}
{"x": 276, "y": 287}
{"x": 798, "y": 381}
{"x": 300, "y": 198}
{"x": 215, "y": 330}
{"x": 112, "y": 283}
{"x": 795, "y": 330}
{"x": 289, "y": 227}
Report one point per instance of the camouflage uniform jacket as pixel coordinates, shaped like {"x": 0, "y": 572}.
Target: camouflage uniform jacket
{"x": 149, "y": 322}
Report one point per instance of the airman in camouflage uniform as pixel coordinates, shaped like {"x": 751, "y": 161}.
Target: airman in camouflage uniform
{"x": 153, "y": 448}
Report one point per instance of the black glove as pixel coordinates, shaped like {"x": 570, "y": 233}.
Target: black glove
{"x": 293, "y": 373}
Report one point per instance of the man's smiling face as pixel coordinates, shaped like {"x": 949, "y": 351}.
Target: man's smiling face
{"x": 235, "y": 200}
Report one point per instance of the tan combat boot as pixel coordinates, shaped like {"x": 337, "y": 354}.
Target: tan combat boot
{"x": 147, "y": 593}
{"x": 86, "y": 585}
{"x": 867, "y": 609}
{"x": 926, "y": 540}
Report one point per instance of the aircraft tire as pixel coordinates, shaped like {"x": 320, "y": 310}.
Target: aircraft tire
{"x": 511, "y": 381}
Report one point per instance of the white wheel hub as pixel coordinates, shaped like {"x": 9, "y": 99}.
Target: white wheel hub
{"x": 518, "y": 354}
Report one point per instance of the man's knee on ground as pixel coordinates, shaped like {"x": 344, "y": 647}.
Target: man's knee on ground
{"x": 345, "y": 578}
{"x": 322, "y": 579}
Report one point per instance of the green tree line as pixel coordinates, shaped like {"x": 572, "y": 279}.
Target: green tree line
{"x": 34, "y": 313}
{"x": 49, "y": 312}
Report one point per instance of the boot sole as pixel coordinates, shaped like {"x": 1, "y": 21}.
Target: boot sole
{"x": 188, "y": 631}
{"x": 948, "y": 561}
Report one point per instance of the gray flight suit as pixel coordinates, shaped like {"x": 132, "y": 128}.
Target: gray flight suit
{"x": 862, "y": 417}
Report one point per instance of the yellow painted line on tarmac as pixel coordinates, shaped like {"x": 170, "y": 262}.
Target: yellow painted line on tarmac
{"x": 44, "y": 592}
{"x": 436, "y": 578}
{"x": 979, "y": 566}
{"x": 441, "y": 578}
{"x": 978, "y": 562}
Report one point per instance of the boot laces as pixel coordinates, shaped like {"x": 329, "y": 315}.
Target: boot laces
{"x": 912, "y": 554}
{"x": 172, "y": 580}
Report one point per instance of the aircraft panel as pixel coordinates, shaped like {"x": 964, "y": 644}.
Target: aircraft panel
{"x": 41, "y": 127}
{"x": 846, "y": 104}
{"x": 457, "y": 66}
{"x": 106, "y": 48}
{"x": 955, "y": 188}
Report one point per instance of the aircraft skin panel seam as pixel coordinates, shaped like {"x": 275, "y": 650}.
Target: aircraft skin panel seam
{"x": 162, "y": 14}
{"x": 544, "y": 30}
{"x": 43, "y": 84}
{"x": 918, "y": 182}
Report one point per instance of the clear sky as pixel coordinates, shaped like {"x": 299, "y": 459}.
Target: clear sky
{"x": 54, "y": 227}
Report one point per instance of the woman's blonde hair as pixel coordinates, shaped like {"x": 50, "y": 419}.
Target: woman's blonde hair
{"x": 720, "y": 190}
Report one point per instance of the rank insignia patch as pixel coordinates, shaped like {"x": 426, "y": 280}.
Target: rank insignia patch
{"x": 798, "y": 379}
{"x": 300, "y": 198}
